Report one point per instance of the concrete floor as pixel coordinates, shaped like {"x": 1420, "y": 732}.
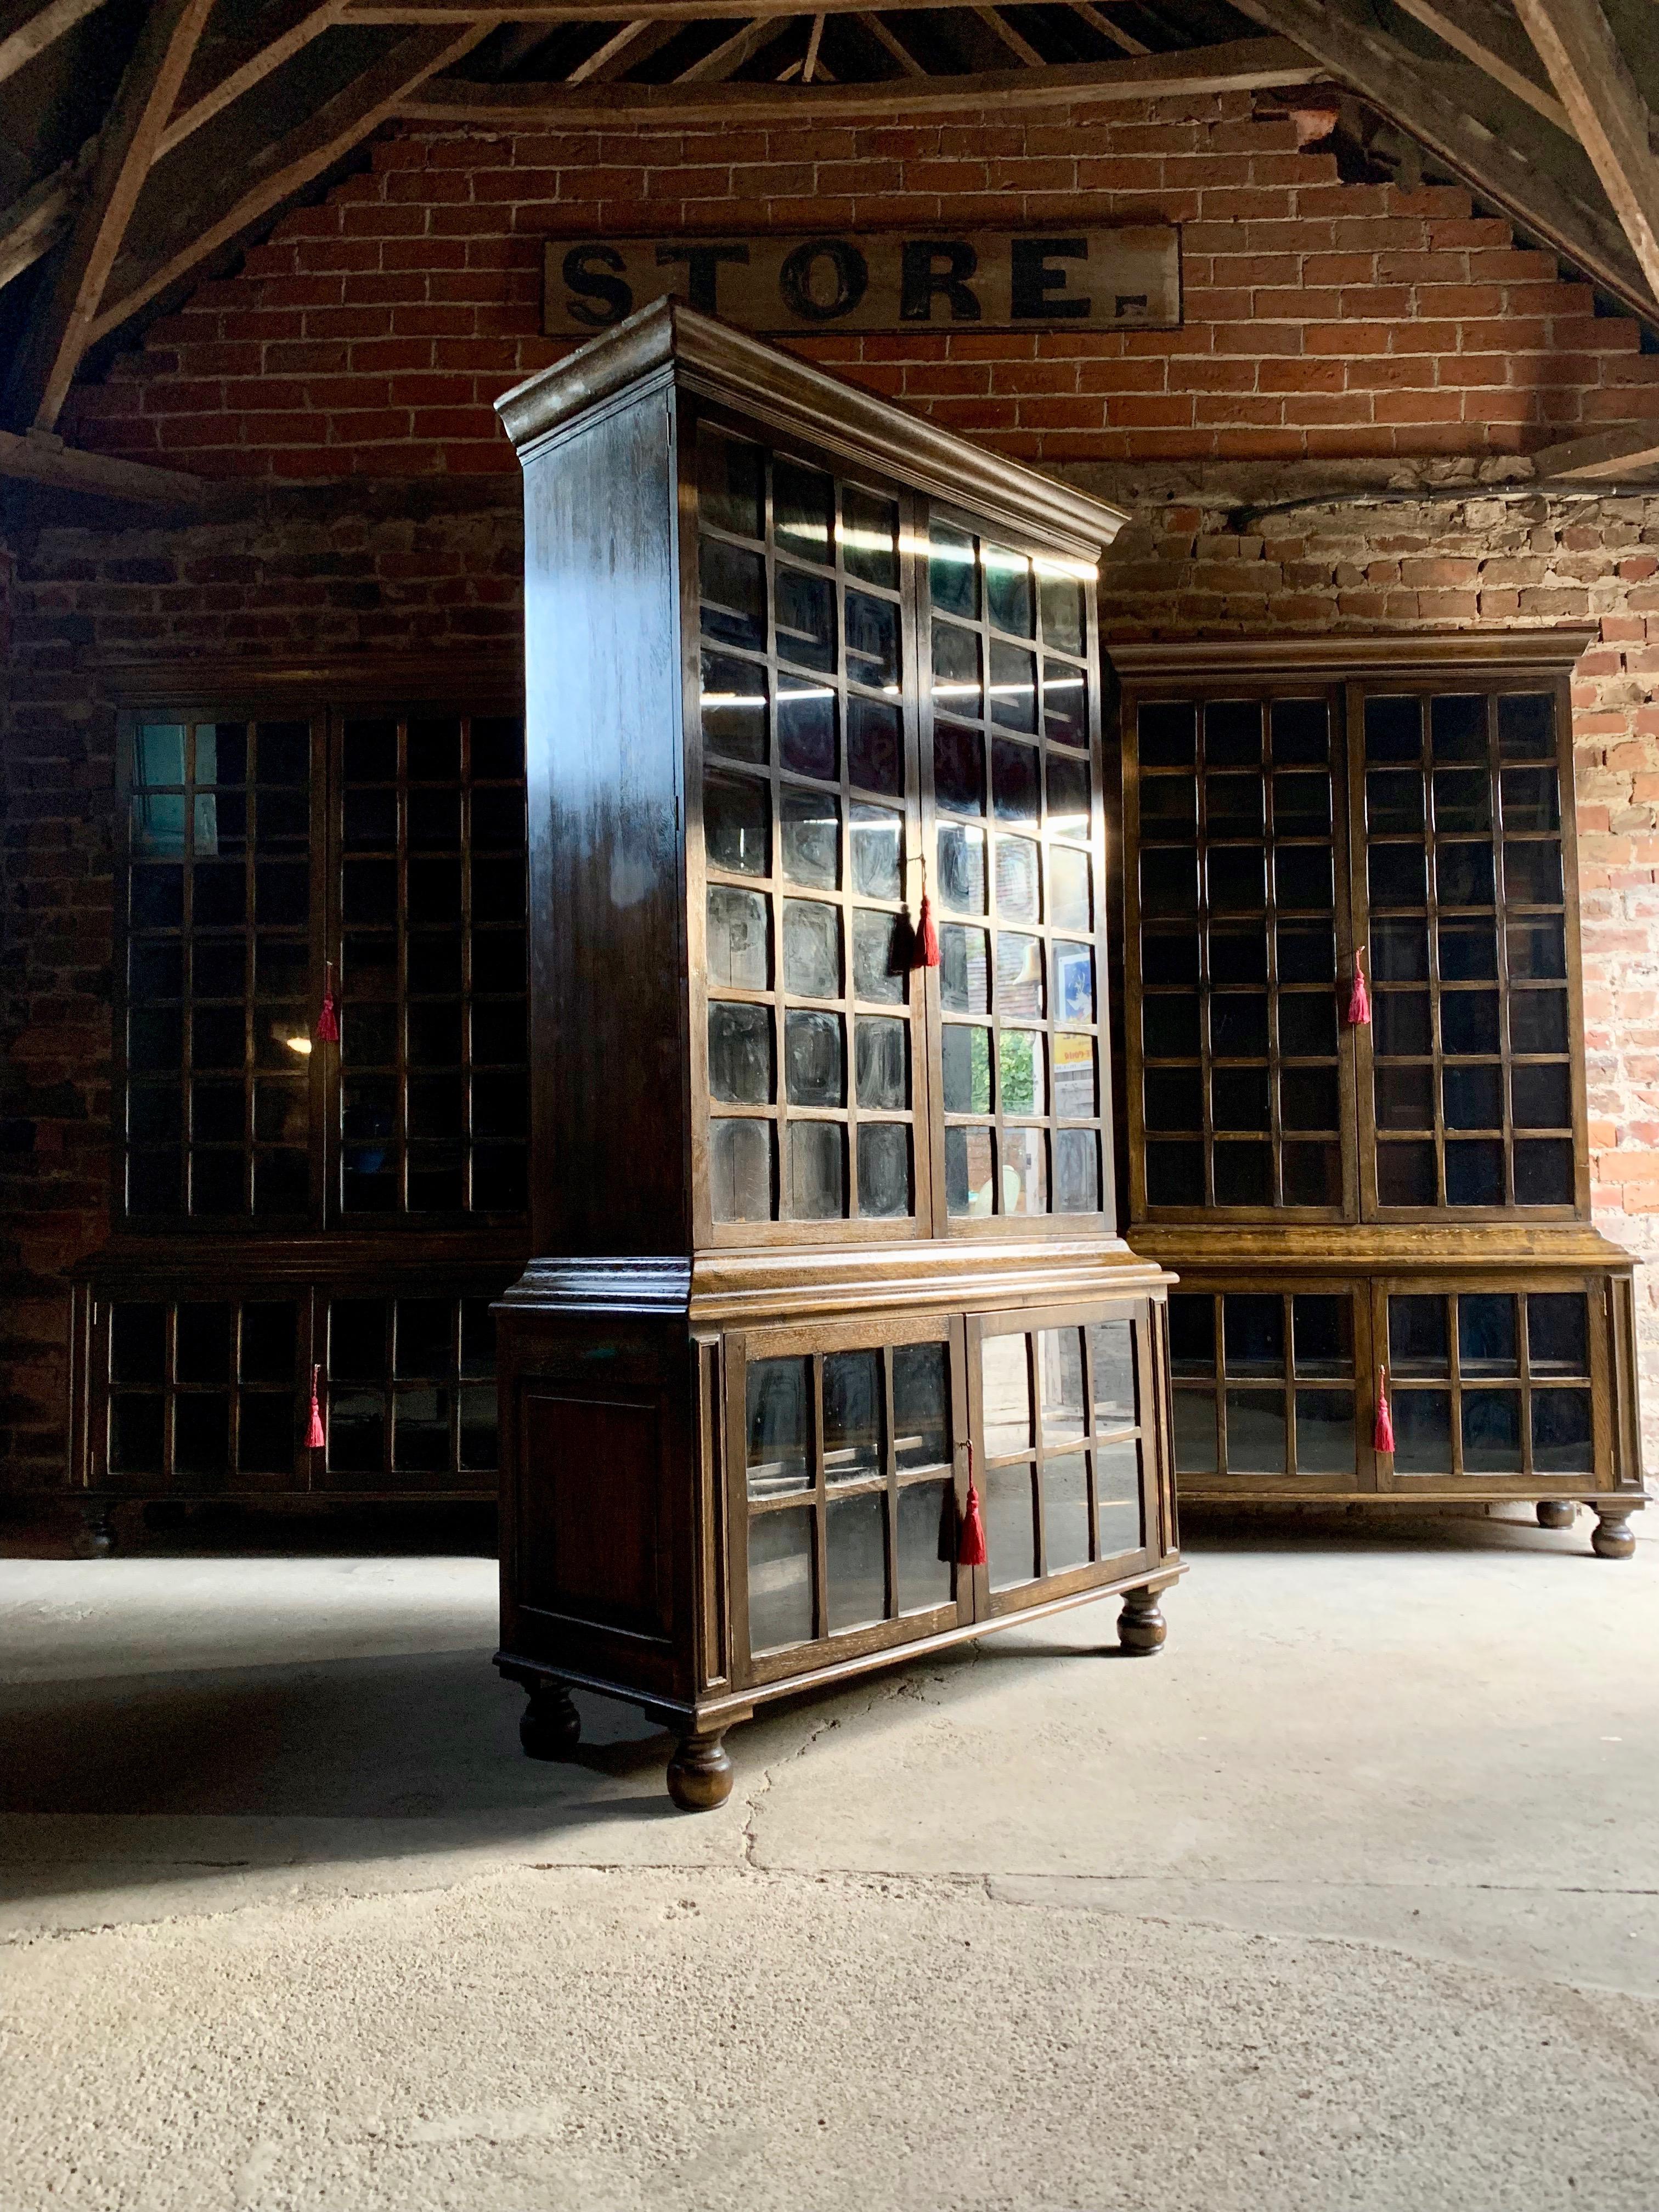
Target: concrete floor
{"x": 1348, "y": 1901}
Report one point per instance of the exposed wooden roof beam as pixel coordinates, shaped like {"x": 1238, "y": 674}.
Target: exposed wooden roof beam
{"x": 42, "y": 458}
{"x": 288, "y": 30}
{"x": 1575, "y": 45}
{"x": 631, "y": 44}
{"x": 885, "y": 39}
{"x": 1494, "y": 41}
{"x": 287, "y": 165}
{"x": 1540, "y": 179}
{"x": 1241, "y": 65}
{"x": 27, "y": 28}
{"x": 813, "y": 43}
{"x": 1601, "y": 454}
{"x": 60, "y": 326}
{"x": 1014, "y": 40}
{"x": 555, "y": 12}
{"x": 720, "y": 61}
{"x": 34, "y": 222}
{"x": 1098, "y": 20}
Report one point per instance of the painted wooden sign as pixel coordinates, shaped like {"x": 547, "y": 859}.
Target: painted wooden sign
{"x": 1106, "y": 278}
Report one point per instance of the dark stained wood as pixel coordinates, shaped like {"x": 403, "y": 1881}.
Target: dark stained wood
{"x": 1141, "y": 1627}
{"x": 550, "y": 1726}
{"x": 738, "y": 1424}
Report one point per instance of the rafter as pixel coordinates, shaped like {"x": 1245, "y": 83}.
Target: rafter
{"x": 271, "y": 173}
{"x": 286, "y": 31}
{"x": 1600, "y": 453}
{"x": 1494, "y": 42}
{"x": 1538, "y": 177}
{"x": 40, "y": 457}
{"x": 1575, "y": 45}
{"x": 628, "y": 44}
{"x": 555, "y": 12}
{"x": 1014, "y": 40}
{"x": 34, "y": 222}
{"x": 720, "y": 61}
{"x": 58, "y": 329}
{"x": 27, "y": 28}
{"x": 885, "y": 38}
{"x": 813, "y": 43}
{"x": 1098, "y": 20}
{"x": 1240, "y": 65}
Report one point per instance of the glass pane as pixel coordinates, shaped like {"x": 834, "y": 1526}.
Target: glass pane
{"x": 741, "y": 1170}
{"x": 1541, "y": 1096}
{"x": 880, "y": 964}
{"x": 927, "y": 1545}
{"x": 1013, "y": 687}
{"x": 921, "y": 1406}
{"x": 1491, "y": 1432}
{"x": 1253, "y": 1332}
{"x": 875, "y": 746}
{"x": 1008, "y": 593}
{"x": 873, "y": 641}
{"x": 1060, "y": 600}
{"x": 1020, "y": 975}
{"x": 1563, "y": 1441}
{"x": 730, "y": 479}
{"x": 733, "y": 585}
{"x": 1006, "y": 1394}
{"x": 1018, "y": 898}
{"x": 814, "y": 1060}
{"x": 882, "y": 1059}
{"x": 969, "y": 1171}
{"x": 811, "y": 950}
{"x": 137, "y": 1344}
{"x": 1404, "y": 1175}
{"x": 805, "y": 611}
{"x": 1557, "y": 1332}
{"x": 1457, "y": 727}
{"x": 267, "y": 1346}
{"x": 1076, "y": 1098}
{"x": 958, "y": 769}
{"x": 1071, "y": 899}
{"x": 1192, "y": 1333}
{"x": 779, "y": 1579}
{"x": 420, "y": 1432}
{"x": 1024, "y": 1172}
{"x": 1060, "y": 1377}
{"x": 1543, "y": 1173}
{"x": 1244, "y": 1174}
{"x": 1485, "y": 1333}
{"x": 817, "y": 1171}
{"x": 1022, "y": 1075}
{"x": 1118, "y": 1497}
{"x": 952, "y": 572}
{"x": 869, "y": 537}
{"x": 1112, "y": 1347}
{"x": 1066, "y": 1513}
{"x": 1194, "y": 1433}
{"x": 811, "y": 824}
{"x": 855, "y": 1560}
{"x": 965, "y": 1060}
{"x": 965, "y": 970}
{"x": 806, "y": 727}
{"x": 852, "y": 1416}
{"x": 201, "y": 1433}
{"x": 1256, "y": 1432}
{"x": 956, "y": 687}
{"x": 1419, "y": 1343}
{"x": 1322, "y": 1331}
{"x": 740, "y": 1054}
{"x": 1014, "y": 786}
{"x": 1077, "y": 1171}
{"x": 1010, "y": 1525}
{"x": 803, "y": 510}
{"x": 1232, "y": 733}
{"x": 737, "y": 824}
{"x": 885, "y": 1191}
{"x": 1167, "y": 735}
{"x": 779, "y": 1406}
{"x": 877, "y": 851}
{"x": 1324, "y": 1433}
{"x": 1474, "y": 1173}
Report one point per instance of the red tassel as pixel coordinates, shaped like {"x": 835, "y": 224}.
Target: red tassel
{"x": 1359, "y": 999}
{"x": 328, "y": 1020}
{"x": 316, "y": 1435}
{"x": 970, "y": 1544}
{"x": 1382, "y": 1436}
{"x": 927, "y": 951}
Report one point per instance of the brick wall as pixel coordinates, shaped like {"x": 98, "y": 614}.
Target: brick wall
{"x": 1333, "y": 331}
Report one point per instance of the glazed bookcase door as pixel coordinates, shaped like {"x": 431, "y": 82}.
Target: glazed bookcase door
{"x": 1015, "y": 868}
{"x": 1471, "y": 1088}
{"x": 1273, "y": 1385}
{"x": 847, "y": 1459}
{"x": 808, "y": 1061}
{"x": 1064, "y": 1403}
{"x": 1237, "y": 950}
{"x": 1498, "y": 1388}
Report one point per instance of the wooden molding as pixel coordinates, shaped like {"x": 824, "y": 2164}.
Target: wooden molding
{"x": 469, "y": 676}
{"x": 729, "y": 366}
{"x": 1242, "y": 65}
{"x": 1412, "y": 653}
{"x": 1575, "y": 45}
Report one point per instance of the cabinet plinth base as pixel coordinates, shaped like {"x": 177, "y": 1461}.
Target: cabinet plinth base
{"x": 1612, "y": 1537}
{"x": 1141, "y": 1627}
{"x": 550, "y": 1726}
{"x": 700, "y": 1772}
{"x": 1556, "y": 1513}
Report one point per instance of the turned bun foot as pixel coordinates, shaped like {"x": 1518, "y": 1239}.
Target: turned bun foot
{"x": 550, "y": 1726}
{"x": 1556, "y": 1513}
{"x": 1612, "y": 1537}
{"x": 1141, "y": 1627}
{"x": 97, "y": 1538}
{"x": 700, "y": 1773}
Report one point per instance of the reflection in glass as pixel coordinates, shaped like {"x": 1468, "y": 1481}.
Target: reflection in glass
{"x": 806, "y": 727}
{"x": 1112, "y": 1348}
{"x": 1118, "y": 1495}
{"x": 1006, "y": 1394}
{"x": 921, "y": 1406}
{"x": 880, "y": 969}
{"x": 779, "y": 1579}
{"x": 1077, "y": 1171}
{"x": 733, "y": 595}
{"x": 740, "y": 1054}
{"x": 852, "y": 1416}
{"x": 882, "y": 1054}
{"x": 965, "y": 970}
{"x": 927, "y": 1545}
{"x": 883, "y": 1170}
{"x": 966, "y": 1062}
{"x": 958, "y": 769}
{"x": 803, "y": 510}
{"x": 1492, "y": 1432}
{"x": 1194, "y": 1432}
{"x": 814, "y": 1058}
{"x": 877, "y": 851}
{"x": 1563, "y": 1441}
{"x": 1065, "y": 1513}
{"x": 811, "y": 950}
{"x": 1557, "y": 1332}
{"x": 1019, "y": 974}
{"x": 968, "y": 1165}
{"x": 1010, "y": 1526}
{"x": 869, "y": 537}
{"x": 811, "y": 837}
{"x": 855, "y": 1561}
{"x": 952, "y": 572}
{"x": 737, "y": 824}
{"x": 1020, "y": 1072}
{"x": 731, "y": 475}
{"x": 738, "y": 952}
{"x": 741, "y": 1169}
{"x": 1024, "y": 1172}
{"x": 778, "y": 1415}
{"x": 962, "y": 868}
{"x": 805, "y": 611}
{"x": 1324, "y": 1433}
{"x": 1059, "y": 1379}
{"x": 817, "y": 1171}
{"x": 1256, "y": 1432}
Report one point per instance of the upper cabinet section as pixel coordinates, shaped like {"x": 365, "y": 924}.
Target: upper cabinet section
{"x": 1413, "y": 822}
{"x": 795, "y": 664}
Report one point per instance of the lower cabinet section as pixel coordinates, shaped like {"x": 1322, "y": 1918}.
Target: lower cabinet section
{"x": 817, "y": 1497}
{"x": 1423, "y": 1383}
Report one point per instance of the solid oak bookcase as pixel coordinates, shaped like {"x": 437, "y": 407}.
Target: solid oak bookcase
{"x": 826, "y": 1232}
{"x": 1395, "y": 1206}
